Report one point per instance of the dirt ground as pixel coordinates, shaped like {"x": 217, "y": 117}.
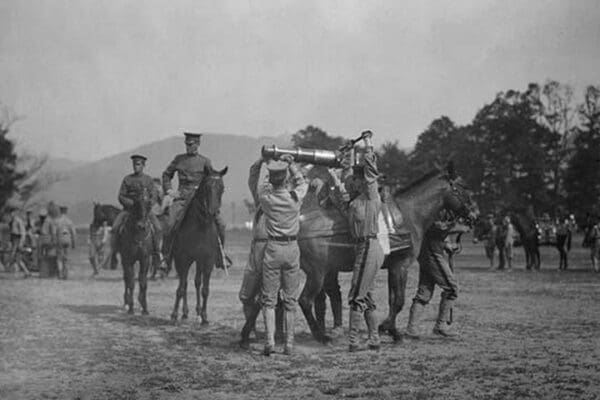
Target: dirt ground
{"x": 523, "y": 335}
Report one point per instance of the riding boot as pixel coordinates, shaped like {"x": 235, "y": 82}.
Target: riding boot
{"x": 373, "y": 328}
{"x": 269, "y": 316}
{"x": 336, "y": 309}
{"x": 416, "y": 312}
{"x": 442, "y": 326}
{"x": 290, "y": 320}
{"x": 354, "y": 333}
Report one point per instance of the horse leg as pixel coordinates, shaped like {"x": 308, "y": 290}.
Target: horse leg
{"x": 182, "y": 267}
{"x": 128, "y": 276}
{"x": 332, "y": 288}
{"x": 397, "y": 276}
{"x": 312, "y": 287}
{"x": 205, "y": 272}
{"x": 320, "y": 309}
{"x": 143, "y": 282}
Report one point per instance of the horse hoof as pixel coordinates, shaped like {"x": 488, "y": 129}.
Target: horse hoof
{"x": 325, "y": 339}
{"x": 174, "y": 317}
{"x": 145, "y": 312}
{"x": 204, "y": 322}
{"x": 130, "y": 311}
{"x": 184, "y": 317}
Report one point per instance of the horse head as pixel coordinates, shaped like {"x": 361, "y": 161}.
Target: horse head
{"x": 141, "y": 209}
{"x": 211, "y": 190}
{"x": 458, "y": 198}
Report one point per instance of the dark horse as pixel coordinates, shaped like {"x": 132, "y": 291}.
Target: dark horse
{"x": 326, "y": 247}
{"x": 529, "y": 237}
{"x": 105, "y": 213}
{"x": 196, "y": 239}
{"x": 135, "y": 245}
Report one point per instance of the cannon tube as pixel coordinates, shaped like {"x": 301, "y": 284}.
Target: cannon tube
{"x": 326, "y": 158}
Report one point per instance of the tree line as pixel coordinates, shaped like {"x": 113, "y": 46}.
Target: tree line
{"x": 535, "y": 148}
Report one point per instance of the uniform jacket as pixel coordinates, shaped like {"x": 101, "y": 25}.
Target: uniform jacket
{"x": 363, "y": 210}
{"x": 190, "y": 172}
{"x": 133, "y": 185}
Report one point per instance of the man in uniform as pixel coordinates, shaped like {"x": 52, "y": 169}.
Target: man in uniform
{"x": 281, "y": 262}
{"x": 251, "y": 283}
{"x": 17, "y": 240}
{"x": 363, "y": 215}
{"x": 131, "y": 187}
{"x": 434, "y": 269}
{"x": 65, "y": 230}
{"x": 190, "y": 167}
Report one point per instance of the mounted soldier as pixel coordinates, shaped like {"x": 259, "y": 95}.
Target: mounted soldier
{"x": 131, "y": 187}
{"x": 191, "y": 168}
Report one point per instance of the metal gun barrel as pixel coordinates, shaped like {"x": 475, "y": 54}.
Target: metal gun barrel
{"x": 326, "y": 158}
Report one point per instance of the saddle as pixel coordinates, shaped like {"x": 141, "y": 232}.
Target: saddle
{"x": 329, "y": 222}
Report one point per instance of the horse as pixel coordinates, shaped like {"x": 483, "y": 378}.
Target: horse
{"x": 103, "y": 213}
{"x": 135, "y": 245}
{"x": 418, "y": 204}
{"x": 196, "y": 239}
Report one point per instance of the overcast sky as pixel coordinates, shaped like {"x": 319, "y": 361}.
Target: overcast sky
{"x": 93, "y": 78}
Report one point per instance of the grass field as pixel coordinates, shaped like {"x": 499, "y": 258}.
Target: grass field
{"x": 523, "y": 335}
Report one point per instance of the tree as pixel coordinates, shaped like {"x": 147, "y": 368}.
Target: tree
{"x": 583, "y": 174}
{"x": 435, "y": 146}
{"x": 9, "y": 175}
{"x": 513, "y": 153}
{"x": 313, "y": 137}
{"x": 392, "y": 162}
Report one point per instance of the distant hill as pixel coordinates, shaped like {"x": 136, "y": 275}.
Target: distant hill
{"x": 99, "y": 180}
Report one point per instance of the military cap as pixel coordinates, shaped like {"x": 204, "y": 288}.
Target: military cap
{"x": 192, "y": 137}
{"x": 277, "y": 168}
{"x": 63, "y": 208}
{"x": 138, "y": 157}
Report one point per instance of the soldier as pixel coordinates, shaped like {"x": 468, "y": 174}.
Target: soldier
{"x": 434, "y": 269}
{"x": 190, "y": 167}
{"x": 131, "y": 187}
{"x": 65, "y": 230}
{"x": 281, "y": 262}
{"x": 251, "y": 284}
{"x": 509, "y": 239}
{"x": 594, "y": 243}
{"x": 363, "y": 214}
{"x": 17, "y": 240}
{"x": 489, "y": 238}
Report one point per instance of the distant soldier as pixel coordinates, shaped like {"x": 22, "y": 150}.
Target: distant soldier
{"x": 191, "y": 168}
{"x": 17, "y": 240}
{"x": 563, "y": 242}
{"x": 489, "y": 238}
{"x": 509, "y": 239}
{"x": 66, "y": 234}
{"x": 281, "y": 262}
{"x": 434, "y": 269}
{"x": 131, "y": 187}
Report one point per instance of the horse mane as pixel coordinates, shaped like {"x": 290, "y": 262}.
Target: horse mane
{"x": 431, "y": 174}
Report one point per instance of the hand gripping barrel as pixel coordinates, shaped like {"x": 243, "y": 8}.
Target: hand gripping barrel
{"x": 327, "y": 158}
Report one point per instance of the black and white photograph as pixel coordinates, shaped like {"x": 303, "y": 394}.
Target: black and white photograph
{"x": 299, "y": 199}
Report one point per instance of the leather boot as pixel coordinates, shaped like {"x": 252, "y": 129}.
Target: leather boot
{"x": 373, "y": 328}
{"x": 269, "y": 316}
{"x": 290, "y": 320}
{"x": 354, "y": 334}
{"x": 442, "y": 326}
{"x": 416, "y": 312}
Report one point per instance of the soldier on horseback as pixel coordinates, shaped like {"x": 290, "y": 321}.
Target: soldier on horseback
{"x": 190, "y": 167}
{"x": 131, "y": 187}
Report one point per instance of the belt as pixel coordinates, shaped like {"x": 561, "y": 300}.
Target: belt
{"x": 283, "y": 238}
{"x": 363, "y": 239}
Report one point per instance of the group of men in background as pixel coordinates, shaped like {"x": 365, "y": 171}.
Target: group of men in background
{"x": 38, "y": 243}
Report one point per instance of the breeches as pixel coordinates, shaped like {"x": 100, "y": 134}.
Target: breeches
{"x": 490, "y": 247}
{"x": 251, "y": 283}
{"x": 281, "y": 274}
{"x": 369, "y": 258}
{"x": 435, "y": 270}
